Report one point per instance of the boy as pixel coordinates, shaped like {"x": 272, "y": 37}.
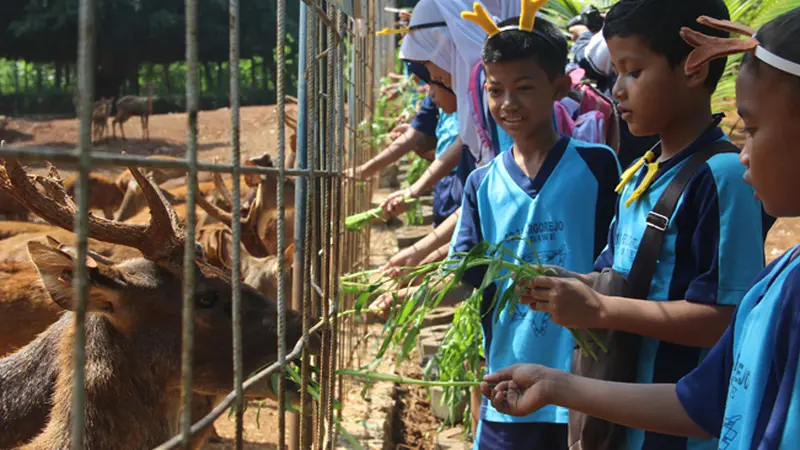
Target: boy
{"x": 747, "y": 391}
{"x": 553, "y": 190}
{"x": 713, "y": 244}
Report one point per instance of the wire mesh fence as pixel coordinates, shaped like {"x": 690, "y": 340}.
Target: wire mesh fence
{"x": 340, "y": 64}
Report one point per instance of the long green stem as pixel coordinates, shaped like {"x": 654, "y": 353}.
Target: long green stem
{"x": 403, "y": 380}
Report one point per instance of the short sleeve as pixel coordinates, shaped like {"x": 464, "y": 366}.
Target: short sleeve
{"x": 606, "y": 258}
{"x": 722, "y": 235}
{"x": 468, "y": 228}
{"x": 427, "y": 118}
{"x": 605, "y": 167}
{"x": 703, "y": 391}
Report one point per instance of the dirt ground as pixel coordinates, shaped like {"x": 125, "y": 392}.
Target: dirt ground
{"x": 259, "y": 135}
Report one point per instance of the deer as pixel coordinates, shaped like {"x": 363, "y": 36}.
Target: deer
{"x": 133, "y": 323}
{"x": 132, "y": 105}
{"x": 100, "y": 113}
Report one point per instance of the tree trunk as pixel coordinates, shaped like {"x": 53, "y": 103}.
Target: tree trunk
{"x": 166, "y": 76}
{"x": 209, "y": 76}
{"x": 253, "y": 76}
{"x": 58, "y": 76}
{"x": 220, "y": 76}
{"x": 25, "y": 77}
{"x": 67, "y": 72}
{"x": 39, "y": 78}
{"x": 264, "y": 73}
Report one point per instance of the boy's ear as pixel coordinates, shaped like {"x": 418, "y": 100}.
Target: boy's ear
{"x": 561, "y": 87}
{"x": 698, "y": 77}
{"x": 56, "y": 269}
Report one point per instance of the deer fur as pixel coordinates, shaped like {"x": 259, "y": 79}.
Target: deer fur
{"x": 105, "y": 194}
{"x": 131, "y": 105}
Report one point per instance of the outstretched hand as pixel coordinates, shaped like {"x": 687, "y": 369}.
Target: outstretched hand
{"x": 569, "y": 301}
{"x": 518, "y": 390}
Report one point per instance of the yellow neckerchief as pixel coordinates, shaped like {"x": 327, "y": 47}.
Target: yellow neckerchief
{"x": 649, "y": 158}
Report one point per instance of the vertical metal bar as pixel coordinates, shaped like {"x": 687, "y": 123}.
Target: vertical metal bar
{"x": 306, "y": 431}
{"x": 301, "y": 190}
{"x": 86, "y": 86}
{"x": 236, "y": 278}
{"x": 279, "y": 82}
{"x": 192, "y": 101}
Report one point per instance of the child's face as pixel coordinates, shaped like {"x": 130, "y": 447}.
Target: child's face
{"x": 651, "y": 93}
{"x": 443, "y": 98}
{"x": 767, "y": 102}
{"x": 438, "y": 74}
{"x": 521, "y": 96}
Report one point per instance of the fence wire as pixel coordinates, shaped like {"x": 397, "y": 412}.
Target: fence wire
{"x": 340, "y": 65}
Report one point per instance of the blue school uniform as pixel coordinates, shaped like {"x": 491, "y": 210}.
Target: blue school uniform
{"x": 427, "y": 118}
{"x": 565, "y": 212}
{"x": 447, "y": 192}
{"x": 713, "y": 248}
{"x": 747, "y": 391}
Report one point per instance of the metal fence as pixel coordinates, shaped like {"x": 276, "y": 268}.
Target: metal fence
{"x": 340, "y": 64}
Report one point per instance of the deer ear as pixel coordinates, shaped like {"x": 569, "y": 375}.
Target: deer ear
{"x": 288, "y": 255}
{"x": 56, "y": 269}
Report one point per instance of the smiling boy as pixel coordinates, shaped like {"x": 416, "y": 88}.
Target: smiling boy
{"x": 555, "y": 191}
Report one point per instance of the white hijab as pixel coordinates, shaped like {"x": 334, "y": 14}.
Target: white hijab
{"x": 456, "y": 49}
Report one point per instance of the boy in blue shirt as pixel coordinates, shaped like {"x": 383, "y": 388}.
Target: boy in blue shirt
{"x": 713, "y": 242}
{"x": 746, "y": 392}
{"x": 555, "y": 191}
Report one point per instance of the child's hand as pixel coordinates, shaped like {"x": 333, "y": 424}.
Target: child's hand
{"x": 383, "y": 304}
{"x": 395, "y": 203}
{"x": 570, "y": 302}
{"x": 518, "y": 390}
{"x": 408, "y": 257}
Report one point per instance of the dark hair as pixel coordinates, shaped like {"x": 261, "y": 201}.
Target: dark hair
{"x": 545, "y": 44}
{"x": 658, "y": 23}
{"x": 779, "y": 36}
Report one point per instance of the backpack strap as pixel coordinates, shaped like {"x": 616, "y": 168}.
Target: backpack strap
{"x": 644, "y": 264}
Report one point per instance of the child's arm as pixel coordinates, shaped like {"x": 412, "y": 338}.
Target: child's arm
{"x": 573, "y": 304}
{"x": 525, "y": 388}
{"x": 415, "y": 254}
{"x": 410, "y": 140}
{"x": 395, "y": 203}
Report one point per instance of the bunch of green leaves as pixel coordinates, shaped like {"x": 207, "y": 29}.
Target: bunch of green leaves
{"x": 459, "y": 357}
{"x": 433, "y": 281}
{"x": 358, "y": 221}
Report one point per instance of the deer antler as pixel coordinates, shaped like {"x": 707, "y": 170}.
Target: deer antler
{"x": 481, "y": 18}
{"x": 161, "y": 240}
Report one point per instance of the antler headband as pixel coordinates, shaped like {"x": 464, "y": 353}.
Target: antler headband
{"x": 708, "y": 48}
{"x": 480, "y": 17}
{"x": 405, "y": 30}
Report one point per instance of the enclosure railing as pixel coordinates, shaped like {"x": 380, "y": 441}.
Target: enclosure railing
{"x": 340, "y": 65}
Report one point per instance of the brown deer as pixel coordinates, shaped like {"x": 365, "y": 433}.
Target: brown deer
{"x": 132, "y": 105}
{"x": 133, "y": 323}
{"x": 100, "y": 114}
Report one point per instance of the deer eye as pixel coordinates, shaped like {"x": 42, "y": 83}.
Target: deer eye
{"x": 207, "y": 299}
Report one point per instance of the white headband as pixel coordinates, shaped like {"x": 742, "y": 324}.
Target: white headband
{"x": 777, "y": 62}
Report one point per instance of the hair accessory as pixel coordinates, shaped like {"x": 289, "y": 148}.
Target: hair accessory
{"x": 527, "y": 18}
{"x": 405, "y": 30}
{"x": 480, "y": 17}
{"x": 708, "y": 48}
